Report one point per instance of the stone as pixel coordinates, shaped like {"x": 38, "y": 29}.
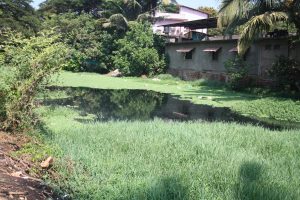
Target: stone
{"x": 115, "y": 73}
{"x": 47, "y": 163}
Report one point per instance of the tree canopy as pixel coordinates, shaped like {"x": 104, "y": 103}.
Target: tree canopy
{"x": 19, "y": 16}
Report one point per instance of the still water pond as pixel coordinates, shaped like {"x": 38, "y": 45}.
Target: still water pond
{"x": 146, "y": 105}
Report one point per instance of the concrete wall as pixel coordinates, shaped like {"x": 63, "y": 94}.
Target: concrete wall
{"x": 268, "y": 52}
{"x": 260, "y": 57}
{"x": 295, "y": 51}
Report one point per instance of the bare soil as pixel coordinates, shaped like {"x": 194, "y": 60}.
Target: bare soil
{"x": 15, "y": 181}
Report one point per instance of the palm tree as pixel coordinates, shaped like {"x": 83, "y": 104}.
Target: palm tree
{"x": 257, "y": 17}
{"x": 122, "y": 11}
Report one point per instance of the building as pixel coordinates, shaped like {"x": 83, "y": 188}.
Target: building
{"x": 184, "y": 14}
{"x": 195, "y": 59}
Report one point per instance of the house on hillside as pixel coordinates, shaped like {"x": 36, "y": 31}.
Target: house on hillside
{"x": 184, "y": 14}
{"x": 205, "y": 58}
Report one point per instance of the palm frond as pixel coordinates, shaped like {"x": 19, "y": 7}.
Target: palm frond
{"x": 230, "y": 10}
{"x": 257, "y": 25}
{"x": 118, "y": 21}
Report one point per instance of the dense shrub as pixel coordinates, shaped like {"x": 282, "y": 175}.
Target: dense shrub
{"x": 237, "y": 71}
{"x": 28, "y": 63}
{"x": 136, "y": 54}
{"x": 86, "y": 40}
{"x": 286, "y": 73}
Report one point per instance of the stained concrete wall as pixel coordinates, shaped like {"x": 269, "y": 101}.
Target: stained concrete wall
{"x": 260, "y": 57}
{"x": 268, "y": 52}
{"x": 295, "y": 51}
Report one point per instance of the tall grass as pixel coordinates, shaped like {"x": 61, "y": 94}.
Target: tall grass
{"x": 173, "y": 160}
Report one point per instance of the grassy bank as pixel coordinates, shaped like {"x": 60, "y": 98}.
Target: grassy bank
{"x": 157, "y": 159}
{"x": 173, "y": 160}
{"x": 251, "y": 105}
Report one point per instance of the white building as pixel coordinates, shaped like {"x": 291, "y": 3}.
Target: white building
{"x": 185, "y": 14}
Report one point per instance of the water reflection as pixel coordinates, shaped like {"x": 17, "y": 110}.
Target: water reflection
{"x": 145, "y": 105}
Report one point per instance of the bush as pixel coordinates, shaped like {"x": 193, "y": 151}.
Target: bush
{"x": 28, "y": 63}
{"x": 237, "y": 71}
{"x": 286, "y": 73}
{"x": 136, "y": 54}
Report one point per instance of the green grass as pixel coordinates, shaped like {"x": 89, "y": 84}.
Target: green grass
{"x": 173, "y": 160}
{"x": 162, "y": 160}
{"x": 271, "y": 107}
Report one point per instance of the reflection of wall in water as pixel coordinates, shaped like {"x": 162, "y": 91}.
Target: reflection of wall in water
{"x": 185, "y": 110}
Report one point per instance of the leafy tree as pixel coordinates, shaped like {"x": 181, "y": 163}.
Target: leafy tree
{"x": 78, "y": 6}
{"x": 88, "y": 43}
{"x": 18, "y": 15}
{"x": 136, "y": 54}
{"x": 119, "y": 12}
{"x": 257, "y": 16}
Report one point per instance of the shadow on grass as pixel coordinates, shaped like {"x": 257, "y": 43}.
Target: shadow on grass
{"x": 169, "y": 188}
{"x": 46, "y": 132}
{"x": 251, "y": 185}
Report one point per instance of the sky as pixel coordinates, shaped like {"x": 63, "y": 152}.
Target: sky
{"x": 190, "y": 3}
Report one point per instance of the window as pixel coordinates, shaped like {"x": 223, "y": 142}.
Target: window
{"x": 188, "y": 55}
{"x": 214, "y": 52}
{"x": 166, "y": 30}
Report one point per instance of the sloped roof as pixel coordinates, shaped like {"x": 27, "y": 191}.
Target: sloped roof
{"x": 196, "y": 24}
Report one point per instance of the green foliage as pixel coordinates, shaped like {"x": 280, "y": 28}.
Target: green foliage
{"x": 170, "y": 8}
{"x": 78, "y": 6}
{"x": 18, "y": 16}
{"x": 86, "y": 40}
{"x": 136, "y": 54}
{"x": 286, "y": 73}
{"x": 237, "y": 71}
{"x": 30, "y": 63}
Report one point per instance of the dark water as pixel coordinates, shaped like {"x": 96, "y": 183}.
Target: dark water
{"x": 145, "y": 105}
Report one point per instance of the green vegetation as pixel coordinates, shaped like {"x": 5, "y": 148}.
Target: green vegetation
{"x": 78, "y": 35}
{"x": 27, "y": 64}
{"x": 237, "y": 71}
{"x": 157, "y": 159}
{"x": 143, "y": 158}
{"x": 200, "y": 92}
{"x": 136, "y": 54}
{"x": 89, "y": 44}
{"x": 172, "y": 160}
{"x": 286, "y": 73}
{"x": 19, "y": 16}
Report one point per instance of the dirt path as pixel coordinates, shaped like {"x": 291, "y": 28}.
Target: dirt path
{"x": 15, "y": 183}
